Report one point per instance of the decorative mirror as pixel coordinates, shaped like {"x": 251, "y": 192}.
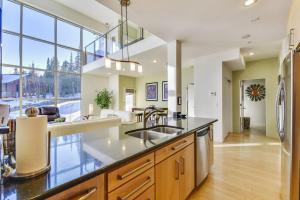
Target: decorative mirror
{"x": 256, "y": 92}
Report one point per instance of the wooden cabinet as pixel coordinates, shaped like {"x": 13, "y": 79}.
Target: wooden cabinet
{"x": 176, "y": 146}
{"x": 149, "y": 194}
{"x": 92, "y": 189}
{"x": 125, "y": 173}
{"x": 187, "y": 171}
{"x": 133, "y": 188}
{"x": 175, "y": 176}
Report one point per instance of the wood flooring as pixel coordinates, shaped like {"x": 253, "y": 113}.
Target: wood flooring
{"x": 247, "y": 167}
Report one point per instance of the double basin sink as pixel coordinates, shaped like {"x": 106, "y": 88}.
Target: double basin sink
{"x": 154, "y": 133}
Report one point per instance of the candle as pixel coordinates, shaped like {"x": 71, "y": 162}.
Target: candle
{"x": 91, "y": 109}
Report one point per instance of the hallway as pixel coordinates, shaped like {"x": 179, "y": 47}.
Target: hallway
{"x": 247, "y": 167}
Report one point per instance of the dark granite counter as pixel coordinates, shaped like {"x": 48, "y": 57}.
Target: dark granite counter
{"x": 78, "y": 157}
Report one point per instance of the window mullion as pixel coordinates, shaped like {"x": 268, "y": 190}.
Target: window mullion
{"x": 55, "y": 63}
{"x": 21, "y": 59}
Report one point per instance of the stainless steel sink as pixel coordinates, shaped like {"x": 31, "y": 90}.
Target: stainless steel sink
{"x": 166, "y": 130}
{"x": 146, "y": 134}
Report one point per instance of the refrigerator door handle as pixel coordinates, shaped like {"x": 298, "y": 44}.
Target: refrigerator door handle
{"x": 280, "y": 109}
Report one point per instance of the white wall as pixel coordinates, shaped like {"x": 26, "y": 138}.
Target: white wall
{"x": 256, "y": 110}
{"x": 213, "y": 93}
{"x": 66, "y": 13}
{"x": 90, "y": 85}
{"x": 227, "y": 100}
{"x": 208, "y": 80}
{"x": 113, "y": 85}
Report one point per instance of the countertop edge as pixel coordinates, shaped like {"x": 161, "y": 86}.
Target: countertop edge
{"x": 111, "y": 167}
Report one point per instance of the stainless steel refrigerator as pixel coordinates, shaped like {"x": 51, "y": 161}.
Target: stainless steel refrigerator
{"x": 287, "y": 106}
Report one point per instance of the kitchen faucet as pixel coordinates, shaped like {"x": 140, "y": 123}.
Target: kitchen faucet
{"x": 147, "y": 115}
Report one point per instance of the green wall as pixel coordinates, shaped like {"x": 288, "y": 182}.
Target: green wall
{"x": 125, "y": 82}
{"x": 263, "y": 69}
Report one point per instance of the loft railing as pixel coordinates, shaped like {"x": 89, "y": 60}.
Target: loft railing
{"x": 111, "y": 42}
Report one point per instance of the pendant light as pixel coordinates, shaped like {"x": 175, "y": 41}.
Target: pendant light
{"x": 120, "y": 62}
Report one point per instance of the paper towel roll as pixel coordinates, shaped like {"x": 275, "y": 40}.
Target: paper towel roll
{"x": 31, "y": 144}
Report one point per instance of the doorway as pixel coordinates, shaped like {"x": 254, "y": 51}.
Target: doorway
{"x": 129, "y": 99}
{"x": 253, "y": 106}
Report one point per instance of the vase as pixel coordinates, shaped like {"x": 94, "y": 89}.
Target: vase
{"x": 31, "y": 112}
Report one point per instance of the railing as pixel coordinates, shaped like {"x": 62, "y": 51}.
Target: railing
{"x": 111, "y": 42}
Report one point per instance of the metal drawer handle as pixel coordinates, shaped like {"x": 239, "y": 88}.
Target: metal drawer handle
{"x": 177, "y": 170}
{"x": 136, "y": 189}
{"x": 120, "y": 177}
{"x": 182, "y": 161}
{"x": 90, "y": 193}
{"x": 180, "y": 145}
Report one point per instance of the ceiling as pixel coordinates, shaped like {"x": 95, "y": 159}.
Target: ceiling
{"x": 207, "y": 27}
{"x": 92, "y": 9}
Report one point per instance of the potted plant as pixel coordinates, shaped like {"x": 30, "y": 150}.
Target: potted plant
{"x": 104, "y": 99}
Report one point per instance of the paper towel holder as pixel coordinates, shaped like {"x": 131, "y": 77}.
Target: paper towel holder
{"x": 15, "y": 176}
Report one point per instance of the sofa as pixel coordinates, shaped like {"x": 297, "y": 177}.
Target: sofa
{"x": 52, "y": 112}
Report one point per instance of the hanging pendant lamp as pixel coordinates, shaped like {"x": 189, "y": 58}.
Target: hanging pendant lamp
{"x": 127, "y": 61}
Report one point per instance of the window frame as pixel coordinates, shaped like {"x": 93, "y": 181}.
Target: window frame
{"x": 56, "y": 98}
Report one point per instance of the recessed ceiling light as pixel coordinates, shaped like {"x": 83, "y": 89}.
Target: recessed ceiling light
{"x": 249, "y": 2}
{"x": 251, "y": 54}
{"x": 154, "y": 61}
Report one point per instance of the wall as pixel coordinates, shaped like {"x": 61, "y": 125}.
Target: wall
{"x": 125, "y": 82}
{"x": 256, "y": 110}
{"x": 141, "y": 90}
{"x": 113, "y": 85}
{"x": 64, "y": 12}
{"x": 187, "y": 76}
{"x": 263, "y": 69}
{"x": 227, "y": 100}
{"x": 90, "y": 85}
{"x": 294, "y": 20}
{"x": 208, "y": 92}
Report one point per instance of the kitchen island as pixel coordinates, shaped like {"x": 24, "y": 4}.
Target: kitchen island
{"x": 80, "y": 157}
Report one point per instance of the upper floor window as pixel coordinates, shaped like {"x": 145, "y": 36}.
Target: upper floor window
{"x": 38, "y": 25}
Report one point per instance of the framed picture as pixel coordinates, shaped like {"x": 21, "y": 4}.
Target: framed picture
{"x": 151, "y": 91}
{"x": 165, "y": 90}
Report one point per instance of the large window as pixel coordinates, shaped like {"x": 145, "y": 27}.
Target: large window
{"x": 42, "y": 60}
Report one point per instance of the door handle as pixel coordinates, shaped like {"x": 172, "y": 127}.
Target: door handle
{"x": 182, "y": 164}
{"x": 120, "y": 177}
{"x": 135, "y": 190}
{"x": 177, "y": 170}
{"x": 87, "y": 195}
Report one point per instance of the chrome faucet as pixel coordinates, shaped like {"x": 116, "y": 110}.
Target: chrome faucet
{"x": 147, "y": 115}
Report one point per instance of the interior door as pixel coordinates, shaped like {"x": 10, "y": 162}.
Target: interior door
{"x": 191, "y": 98}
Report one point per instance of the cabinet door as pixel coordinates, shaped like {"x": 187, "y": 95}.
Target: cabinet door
{"x": 187, "y": 171}
{"x": 167, "y": 178}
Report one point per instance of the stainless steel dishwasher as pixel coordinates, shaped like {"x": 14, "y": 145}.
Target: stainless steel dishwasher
{"x": 202, "y": 154}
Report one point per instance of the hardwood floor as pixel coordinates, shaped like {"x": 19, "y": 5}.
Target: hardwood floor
{"x": 247, "y": 167}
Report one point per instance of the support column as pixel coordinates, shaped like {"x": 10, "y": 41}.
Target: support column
{"x": 174, "y": 77}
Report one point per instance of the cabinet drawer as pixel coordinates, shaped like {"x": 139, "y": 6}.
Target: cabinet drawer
{"x": 149, "y": 194}
{"x": 132, "y": 189}
{"x": 92, "y": 189}
{"x": 123, "y": 174}
{"x": 176, "y": 146}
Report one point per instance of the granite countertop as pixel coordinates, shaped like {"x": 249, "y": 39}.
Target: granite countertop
{"x": 78, "y": 157}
